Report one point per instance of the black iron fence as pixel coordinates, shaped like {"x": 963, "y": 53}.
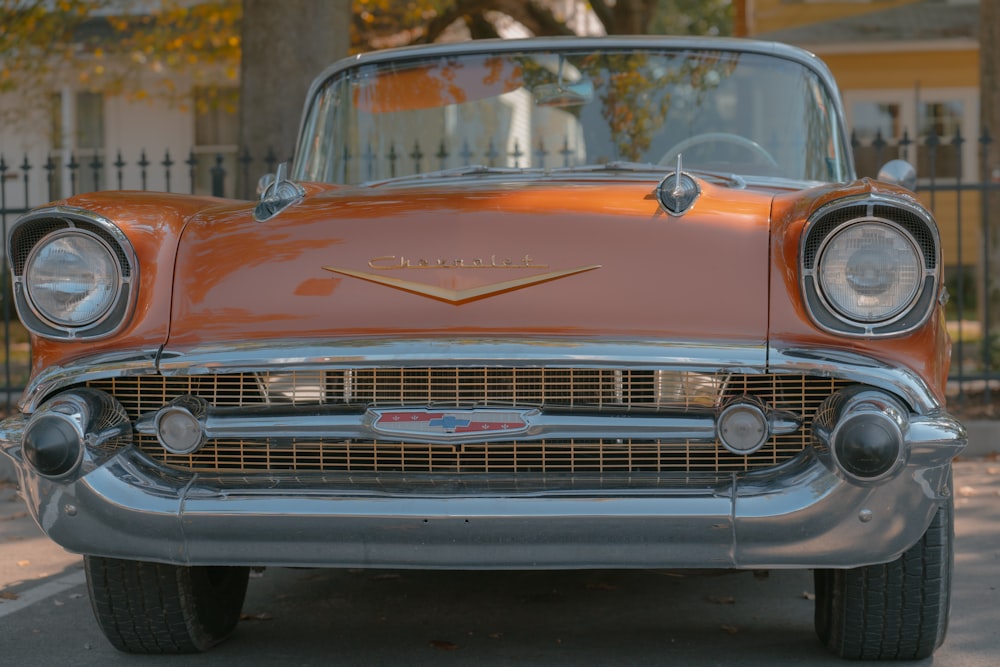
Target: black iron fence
{"x": 960, "y": 202}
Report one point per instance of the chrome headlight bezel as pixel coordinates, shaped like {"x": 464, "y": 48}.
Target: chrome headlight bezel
{"x": 917, "y": 246}
{"x": 38, "y": 230}
{"x": 101, "y": 283}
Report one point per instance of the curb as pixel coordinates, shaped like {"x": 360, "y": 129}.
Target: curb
{"x": 984, "y": 438}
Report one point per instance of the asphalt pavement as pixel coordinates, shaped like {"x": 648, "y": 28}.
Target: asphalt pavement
{"x": 583, "y": 618}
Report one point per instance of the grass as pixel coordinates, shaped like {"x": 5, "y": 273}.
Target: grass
{"x": 15, "y": 352}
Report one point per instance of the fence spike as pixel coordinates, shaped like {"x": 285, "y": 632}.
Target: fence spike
{"x": 120, "y": 166}
{"x": 25, "y": 168}
{"x": 192, "y": 163}
{"x": 540, "y": 153}
{"x": 442, "y": 156}
{"x": 143, "y": 163}
{"x": 417, "y": 155}
{"x": 50, "y": 176}
{"x": 517, "y": 154}
{"x": 167, "y": 164}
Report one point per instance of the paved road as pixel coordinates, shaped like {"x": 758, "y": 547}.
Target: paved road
{"x": 325, "y": 617}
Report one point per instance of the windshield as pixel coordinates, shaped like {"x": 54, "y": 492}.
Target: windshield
{"x": 731, "y": 112}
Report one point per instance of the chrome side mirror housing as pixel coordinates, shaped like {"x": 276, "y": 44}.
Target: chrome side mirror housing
{"x": 277, "y": 193}
{"x": 898, "y": 172}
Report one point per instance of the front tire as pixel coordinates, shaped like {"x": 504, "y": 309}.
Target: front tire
{"x": 894, "y": 611}
{"x": 147, "y": 607}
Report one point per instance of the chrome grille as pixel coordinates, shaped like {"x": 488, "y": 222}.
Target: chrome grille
{"x": 606, "y": 391}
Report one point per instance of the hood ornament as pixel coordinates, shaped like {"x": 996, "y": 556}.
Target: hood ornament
{"x": 677, "y": 192}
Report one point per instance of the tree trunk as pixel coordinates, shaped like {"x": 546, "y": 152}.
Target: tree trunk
{"x": 989, "y": 109}
{"x": 285, "y": 45}
{"x": 631, "y": 17}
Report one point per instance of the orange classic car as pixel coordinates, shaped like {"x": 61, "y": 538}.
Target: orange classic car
{"x": 553, "y": 303}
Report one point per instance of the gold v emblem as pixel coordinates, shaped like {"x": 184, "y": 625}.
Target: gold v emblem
{"x": 460, "y": 296}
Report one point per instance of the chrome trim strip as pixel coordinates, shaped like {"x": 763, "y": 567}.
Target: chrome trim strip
{"x": 456, "y": 352}
{"x": 555, "y": 353}
{"x": 255, "y": 423}
{"x": 108, "y": 364}
{"x": 859, "y": 368}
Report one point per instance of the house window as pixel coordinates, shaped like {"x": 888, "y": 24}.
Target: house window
{"x": 940, "y": 122}
{"x": 90, "y": 122}
{"x": 216, "y": 134}
{"x": 918, "y": 114}
{"x": 77, "y": 132}
{"x": 877, "y": 127}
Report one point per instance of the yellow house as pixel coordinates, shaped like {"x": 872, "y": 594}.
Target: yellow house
{"x": 905, "y": 68}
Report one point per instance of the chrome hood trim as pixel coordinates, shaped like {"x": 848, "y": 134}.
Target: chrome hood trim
{"x": 453, "y": 352}
{"x": 445, "y": 352}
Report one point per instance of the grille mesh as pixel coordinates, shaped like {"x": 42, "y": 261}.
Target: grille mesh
{"x": 607, "y": 391}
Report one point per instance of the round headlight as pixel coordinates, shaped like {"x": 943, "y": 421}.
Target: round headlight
{"x": 870, "y": 271}
{"x": 72, "y": 278}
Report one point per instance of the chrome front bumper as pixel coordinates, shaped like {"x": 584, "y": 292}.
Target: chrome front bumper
{"x": 803, "y": 514}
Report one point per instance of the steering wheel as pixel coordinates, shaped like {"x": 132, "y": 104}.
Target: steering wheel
{"x": 670, "y": 157}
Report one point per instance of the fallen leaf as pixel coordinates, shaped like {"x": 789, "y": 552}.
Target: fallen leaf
{"x": 495, "y": 635}
{"x": 967, "y": 491}
{"x": 601, "y": 586}
{"x": 7, "y": 595}
{"x": 731, "y": 629}
{"x": 993, "y": 470}
{"x": 444, "y": 645}
{"x": 23, "y": 563}
{"x": 718, "y": 599}
{"x": 261, "y": 616}
{"x": 808, "y": 596}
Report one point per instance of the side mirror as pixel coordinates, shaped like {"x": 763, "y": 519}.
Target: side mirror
{"x": 264, "y": 183}
{"x": 277, "y": 193}
{"x": 898, "y": 172}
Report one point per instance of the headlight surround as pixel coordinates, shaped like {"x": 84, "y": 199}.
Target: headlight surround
{"x": 72, "y": 278}
{"x": 75, "y": 273}
{"x": 870, "y": 271}
{"x": 870, "y": 266}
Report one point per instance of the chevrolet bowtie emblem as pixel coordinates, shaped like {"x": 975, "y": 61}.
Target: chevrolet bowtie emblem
{"x": 459, "y": 296}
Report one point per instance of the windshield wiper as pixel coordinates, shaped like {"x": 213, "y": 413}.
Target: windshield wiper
{"x": 614, "y": 165}
{"x": 453, "y": 172}
{"x": 734, "y": 180}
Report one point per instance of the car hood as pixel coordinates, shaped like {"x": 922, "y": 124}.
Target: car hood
{"x": 533, "y": 259}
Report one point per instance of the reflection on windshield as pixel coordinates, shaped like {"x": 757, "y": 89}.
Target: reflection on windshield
{"x": 734, "y": 113}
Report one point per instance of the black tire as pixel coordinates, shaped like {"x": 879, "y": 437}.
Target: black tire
{"x": 155, "y": 608}
{"x": 895, "y": 611}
